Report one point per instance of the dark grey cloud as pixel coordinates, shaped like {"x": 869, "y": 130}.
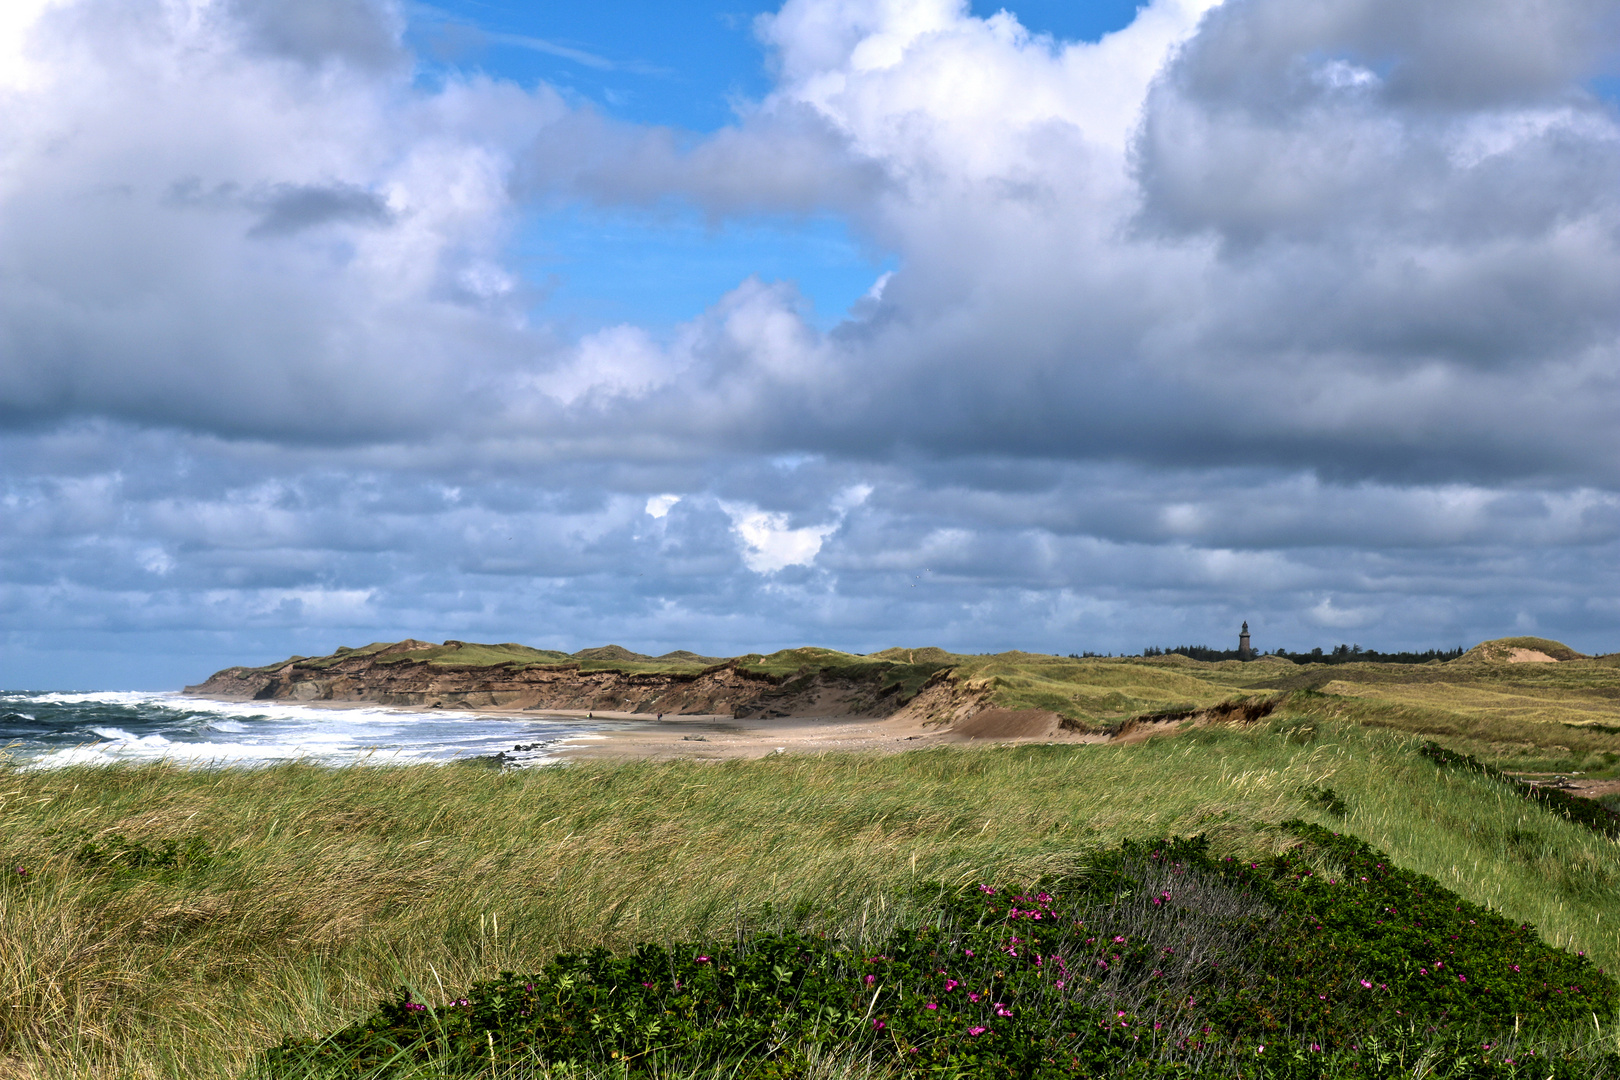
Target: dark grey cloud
{"x": 362, "y": 33}
{"x": 1270, "y": 56}
{"x": 275, "y": 554}
{"x": 291, "y": 208}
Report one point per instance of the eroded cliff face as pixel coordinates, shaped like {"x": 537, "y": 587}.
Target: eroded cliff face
{"x": 946, "y": 700}
{"x": 724, "y": 689}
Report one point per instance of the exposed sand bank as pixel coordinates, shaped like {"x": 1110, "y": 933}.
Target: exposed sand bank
{"x": 723, "y": 738}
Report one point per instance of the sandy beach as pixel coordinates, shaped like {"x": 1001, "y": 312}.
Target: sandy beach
{"x": 723, "y": 738}
{"x": 717, "y": 737}
{"x": 620, "y": 735}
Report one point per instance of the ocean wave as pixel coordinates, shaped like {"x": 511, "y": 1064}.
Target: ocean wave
{"x": 113, "y": 734}
{"x": 107, "y": 727}
{"x": 150, "y": 750}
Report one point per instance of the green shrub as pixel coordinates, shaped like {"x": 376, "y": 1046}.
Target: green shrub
{"x": 1157, "y": 961}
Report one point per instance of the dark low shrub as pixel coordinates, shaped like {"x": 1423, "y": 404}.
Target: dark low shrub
{"x": 1158, "y": 961}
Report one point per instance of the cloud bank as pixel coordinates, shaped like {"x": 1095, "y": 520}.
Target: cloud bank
{"x": 1308, "y": 315}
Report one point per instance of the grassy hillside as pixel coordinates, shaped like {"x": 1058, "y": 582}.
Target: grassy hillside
{"x": 1504, "y": 648}
{"x": 1101, "y": 692}
{"x": 451, "y": 652}
{"x": 1535, "y": 716}
{"x": 1548, "y": 716}
{"x": 162, "y": 922}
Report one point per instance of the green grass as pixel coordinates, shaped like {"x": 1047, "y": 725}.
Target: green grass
{"x": 1535, "y": 721}
{"x": 1100, "y": 692}
{"x": 456, "y": 653}
{"x": 309, "y": 893}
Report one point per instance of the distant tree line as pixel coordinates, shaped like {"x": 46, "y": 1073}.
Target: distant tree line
{"x": 1341, "y": 654}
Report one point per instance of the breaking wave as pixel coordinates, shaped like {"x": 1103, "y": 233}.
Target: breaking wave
{"x": 45, "y": 730}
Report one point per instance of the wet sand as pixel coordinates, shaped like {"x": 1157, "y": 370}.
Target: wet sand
{"x": 643, "y": 736}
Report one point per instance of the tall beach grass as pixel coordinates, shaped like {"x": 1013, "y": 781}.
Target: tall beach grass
{"x": 314, "y": 892}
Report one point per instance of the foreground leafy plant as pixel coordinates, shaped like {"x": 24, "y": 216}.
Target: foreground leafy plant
{"x": 1158, "y": 961}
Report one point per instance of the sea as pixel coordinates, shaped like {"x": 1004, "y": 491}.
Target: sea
{"x": 46, "y": 730}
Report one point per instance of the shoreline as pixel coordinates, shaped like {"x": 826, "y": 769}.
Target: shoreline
{"x": 720, "y": 737}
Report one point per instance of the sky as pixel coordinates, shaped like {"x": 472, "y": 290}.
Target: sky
{"x": 733, "y": 326}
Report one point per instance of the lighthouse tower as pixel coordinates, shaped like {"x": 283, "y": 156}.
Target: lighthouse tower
{"x": 1244, "y": 651}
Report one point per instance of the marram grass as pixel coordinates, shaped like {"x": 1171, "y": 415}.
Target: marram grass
{"x": 314, "y": 892}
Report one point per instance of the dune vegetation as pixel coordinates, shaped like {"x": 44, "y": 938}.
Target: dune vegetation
{"x": 166, "y": 922}
{"x": 297, "y": 921}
